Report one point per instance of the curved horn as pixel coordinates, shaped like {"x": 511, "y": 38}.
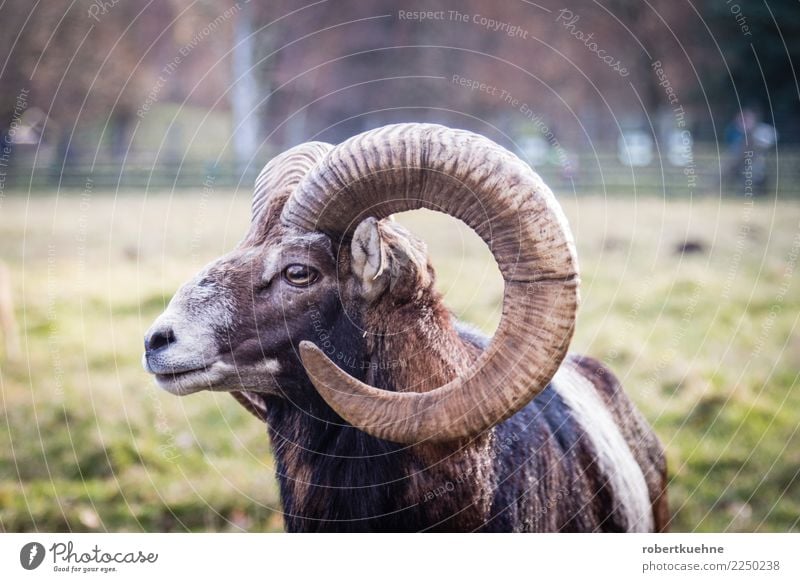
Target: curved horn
{"x": 409, "y": 166}
{"x": 280, "y": 177}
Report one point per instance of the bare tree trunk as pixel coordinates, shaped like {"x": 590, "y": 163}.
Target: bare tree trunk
{"x": 244, "y": 94}
{"x": 8, "y": 325}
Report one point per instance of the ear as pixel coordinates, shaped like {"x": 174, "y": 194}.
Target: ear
{"x": 386, "y": 257}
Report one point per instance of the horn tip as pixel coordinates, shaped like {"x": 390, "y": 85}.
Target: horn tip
{"x": 322, "y": 371}
{"x": 309, "y": 350}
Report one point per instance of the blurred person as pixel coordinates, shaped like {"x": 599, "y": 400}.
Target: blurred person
{"x": 749, "y": 141}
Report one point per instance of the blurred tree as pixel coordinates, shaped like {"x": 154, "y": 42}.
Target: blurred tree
{"x": 331, "y": 68}
{"x": 57, "y": 53}
{"x": 244, "y": 90}
{"x": 340, "y": 67}
{"x": 759, "y": 49}
{"x": 89, "y": 65}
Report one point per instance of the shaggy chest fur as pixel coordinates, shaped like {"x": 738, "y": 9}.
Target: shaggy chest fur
{"x": 534, "y": 472}
{"x": 336, "y": 478}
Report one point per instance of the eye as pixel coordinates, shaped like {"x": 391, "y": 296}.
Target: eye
{"x": 300, "y": 275}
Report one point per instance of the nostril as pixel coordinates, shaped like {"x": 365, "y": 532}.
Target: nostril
{"x": 159, "y": 339}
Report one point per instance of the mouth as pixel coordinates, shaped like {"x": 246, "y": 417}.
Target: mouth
{"x": 179, "y": 375}
{"x": 185, "y": 381}
{"x": 179, "y": 379}
{"x": 216, "y": 376}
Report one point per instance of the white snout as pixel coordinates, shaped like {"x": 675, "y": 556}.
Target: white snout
{"x": 181, "y": 347}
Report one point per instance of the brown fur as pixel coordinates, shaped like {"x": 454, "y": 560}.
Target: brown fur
{"x": 644, "y": 444}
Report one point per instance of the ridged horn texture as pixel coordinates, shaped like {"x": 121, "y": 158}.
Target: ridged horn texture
{"x": 409, "y": 166}
{"x": 283, "y": 173}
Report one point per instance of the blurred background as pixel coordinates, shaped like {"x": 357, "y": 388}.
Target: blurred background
{"x": 130, "y": 136}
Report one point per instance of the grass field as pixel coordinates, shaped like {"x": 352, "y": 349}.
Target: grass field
{"x": 706, "y": 341}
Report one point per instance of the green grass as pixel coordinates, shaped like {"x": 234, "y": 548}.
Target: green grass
{"x": 706, "y": 343}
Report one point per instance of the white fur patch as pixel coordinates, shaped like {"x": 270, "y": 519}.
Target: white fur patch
{"x": 271, "y": 366}
{"x": 272, "y": 263}
{"x": 615, "y": 458}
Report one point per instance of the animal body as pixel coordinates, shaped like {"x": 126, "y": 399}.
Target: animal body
{"x": 384, "y": 412}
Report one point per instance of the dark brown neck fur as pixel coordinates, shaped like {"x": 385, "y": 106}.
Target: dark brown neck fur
{"x": 417, "y": 336}
{"x": 334, "y": 477}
